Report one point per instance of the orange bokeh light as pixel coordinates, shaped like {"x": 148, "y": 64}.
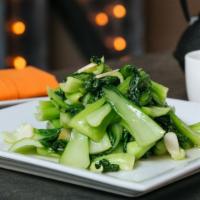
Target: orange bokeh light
{"x": 101, "y": 19}
{"x": 19, "y": 62}
{"x": 18, "y": 27}
{"x": 119, "y": 11}
{"x": 119, "y": 43}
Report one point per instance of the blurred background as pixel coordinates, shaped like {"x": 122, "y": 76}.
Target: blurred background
{"x": 65, "y": 33}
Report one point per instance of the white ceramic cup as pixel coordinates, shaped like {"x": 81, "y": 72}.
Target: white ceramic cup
{"x": 192, "y": 75}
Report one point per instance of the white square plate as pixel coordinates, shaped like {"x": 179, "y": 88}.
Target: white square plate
{"x": 147, "y": 175}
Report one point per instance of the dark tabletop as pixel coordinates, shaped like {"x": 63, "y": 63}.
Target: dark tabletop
{"x": 14, "y": 185}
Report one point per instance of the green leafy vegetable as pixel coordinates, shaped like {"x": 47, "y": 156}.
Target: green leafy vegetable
{"x": 126, "y": 137}
{"x": 195, "y": 127}
{"x": 25, "y": 146}
{"x": 46, "y": 134}
{"x": 184, "y": 129}
{"x": 155, "y": 111}
{"x": 72, "y": 85}
{"x": 159, "y": 93}
{"x": 57, "y": 99}
{"x": 76, "y": 153}
{"x": 169, "y": 126}
{"x": 97, "y": 60}
{"x": 136, "y": 150}
{"x": 47, "y": 152}
{"x": 106, "y": 166}
{"x": 100, "y": 147}
{"x": 79, "y": 122}
{"x": 140, "y": 88}
{"x": 58, "y": 146}
{"x": 115, "y": 161}
{"x": 128, "y": 70}
{"x": 102, "y": 120}
{"x": 143, "y": 128}
{"x": 159, "y": 148}
{"x": 47, "y": 111}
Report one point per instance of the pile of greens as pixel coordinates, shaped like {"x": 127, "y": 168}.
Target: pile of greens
{"x": 103, "y": 120}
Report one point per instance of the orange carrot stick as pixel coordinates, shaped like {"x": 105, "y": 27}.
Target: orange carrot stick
{"x": 26, "y": 83}
{"x": 11, "y": 88}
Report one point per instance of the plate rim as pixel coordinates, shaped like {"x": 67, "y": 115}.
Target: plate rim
{"x": 19, "y": 101}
